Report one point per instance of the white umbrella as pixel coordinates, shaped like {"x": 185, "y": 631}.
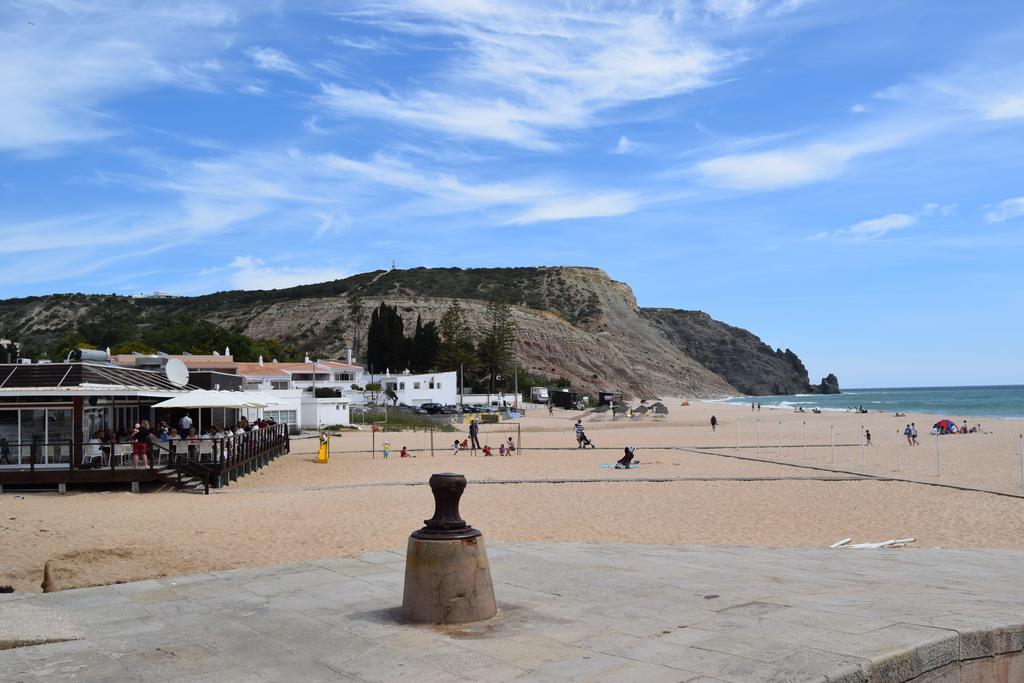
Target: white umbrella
{"x": 203, "y": 398}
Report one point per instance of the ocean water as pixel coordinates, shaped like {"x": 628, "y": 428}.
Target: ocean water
{"x": 950, "y": 402}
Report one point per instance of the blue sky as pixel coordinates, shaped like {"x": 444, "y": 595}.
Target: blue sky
{"x": 841, "y": 178}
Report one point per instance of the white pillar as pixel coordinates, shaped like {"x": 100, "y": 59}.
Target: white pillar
{"x": 757, "y": 444}
{"x": 1022, "y": 460}
{"x": 832, "y": 431}
{"x": 899, "y": 464}
{"x": 737, "y": 435}
{"x": 778, "y": 451}
{"x": 862, "y": 445}
{"x": 805, "y": 440}
{"x": 938, "y": 456}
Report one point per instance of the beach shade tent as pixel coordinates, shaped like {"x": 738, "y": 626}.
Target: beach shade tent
{"x": 205, "y": 398}
{"x": 947, "y": 425}
{"x": 659, "y": 408}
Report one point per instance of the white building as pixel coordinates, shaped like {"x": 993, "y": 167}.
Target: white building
{"x": 295, "y": 386}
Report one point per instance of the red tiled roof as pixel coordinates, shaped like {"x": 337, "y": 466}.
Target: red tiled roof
{"x": 279, "y": 369}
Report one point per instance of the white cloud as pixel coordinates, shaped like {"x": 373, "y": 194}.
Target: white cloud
{"x": 57, "y": 72}
{"x": 516, "y": 80}
{"x": 734, "y": 9}
{"x": 1005, "y": 107}
{"x": 1005, "y": 210}
{"x": 778, "y": 169}
{"x": 253, "y": 273}
{"x": 876, "y": 228}
{"x": 272, "y": 59}
{"x": 858, "y": 109}
{"x": 623, "y": 146}
{"x": 879, "y": 227}
{"x": 616, "y": 204}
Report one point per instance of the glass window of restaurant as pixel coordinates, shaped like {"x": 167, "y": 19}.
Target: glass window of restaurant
{"x": 9, "y": 438}
{"x": 43, "y": 433}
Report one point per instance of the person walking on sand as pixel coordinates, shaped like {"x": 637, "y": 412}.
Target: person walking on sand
{"x": 714, "y": 422}
{"x": 867, "y": 437}
{"x": 474, "y": 433}
{"x": 906, "y": 433}
{"x": 578, "y": 428}
{"x": 913, "y": 434}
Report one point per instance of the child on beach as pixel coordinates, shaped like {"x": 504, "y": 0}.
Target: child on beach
{"x": 501, "y": 450}
{"x": 867, "y": 437}
{"x": 487, "y": 450}
{"x": 404, "y": 453}
{"x": 386, "y": 448}
{"x": 455, "y": 447}
{"x": 509, "y": 446}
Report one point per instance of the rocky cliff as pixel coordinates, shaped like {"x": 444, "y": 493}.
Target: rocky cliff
{"x": 573, "y": 322}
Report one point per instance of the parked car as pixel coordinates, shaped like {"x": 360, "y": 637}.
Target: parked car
{"x": 452, "y": 409}
{"x": 432, "y": 409}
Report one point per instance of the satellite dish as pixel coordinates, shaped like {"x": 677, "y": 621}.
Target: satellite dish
{"x": 177, "y": 372}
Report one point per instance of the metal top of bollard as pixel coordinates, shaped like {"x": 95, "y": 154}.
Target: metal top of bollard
{"x": 446, "y": 524}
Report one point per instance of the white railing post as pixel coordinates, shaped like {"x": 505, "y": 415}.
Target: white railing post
{"x": 757, "y": 445}
{"x": 899, "y": 465}
{"x": 938, "y": 455}
{"x": 778, "y": 451}
{"x": 862, "y": 445}
{"x": 832, "y": 431}
{"x": 805, "y": 440}
{"x": 737, "y": 435}
{"x": 1022, "y": 461}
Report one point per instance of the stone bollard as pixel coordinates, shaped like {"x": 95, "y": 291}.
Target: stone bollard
{"x": 447, "y": 577}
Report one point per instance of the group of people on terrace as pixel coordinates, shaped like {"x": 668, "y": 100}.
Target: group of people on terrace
{"x": 182, "y": 439}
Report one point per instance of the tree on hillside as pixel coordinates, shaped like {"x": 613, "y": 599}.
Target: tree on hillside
{"x": 457, "y": 351}
{"x": 495, "y": 347}
{"x": 69, "y": 342}
{"x": 356, "y": 319}
{"x": 386, "y": 346}
{"x": 424, "y": 347}
{"x": 107, "y": 323}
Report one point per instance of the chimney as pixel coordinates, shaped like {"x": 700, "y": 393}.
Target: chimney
{"x": 348, "y": 354}
{"x": 260, "y": 360}
{"x": 227, "y": 350}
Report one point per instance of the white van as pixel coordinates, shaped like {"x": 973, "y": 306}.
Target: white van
{"x": 539, "y": 394}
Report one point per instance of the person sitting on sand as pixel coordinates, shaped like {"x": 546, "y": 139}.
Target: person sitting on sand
{"x": 487, "y": 450}
{"x": 404, "y": 453}
{"x": 456, "y": 447}
{"x": 626, "y": 461}
{"x": 509, "y": 446}
{"x": 501, "y": 450}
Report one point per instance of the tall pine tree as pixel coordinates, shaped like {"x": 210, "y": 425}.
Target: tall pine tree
{"x": 424, "y": 347}
{"x": 385, "y": 340}
{"x": 457, "y": 351}
{"x": 495, "y": 347}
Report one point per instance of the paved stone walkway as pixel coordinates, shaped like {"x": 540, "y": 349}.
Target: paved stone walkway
{"x": 595, "y": 613}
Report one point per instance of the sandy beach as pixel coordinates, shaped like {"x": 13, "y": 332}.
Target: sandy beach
{"x": 705, "y": 490}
